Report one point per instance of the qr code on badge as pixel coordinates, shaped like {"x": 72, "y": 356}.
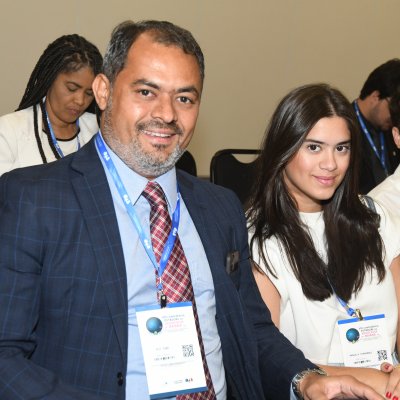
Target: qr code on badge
{"x": 187, "y": 350}
{"x": 382, "y": 355}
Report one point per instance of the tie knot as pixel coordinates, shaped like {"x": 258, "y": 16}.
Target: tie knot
{"x": 154, "y": 195}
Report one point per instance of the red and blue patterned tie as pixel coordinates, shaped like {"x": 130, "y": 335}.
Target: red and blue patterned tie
{"x": 177, "y": 284}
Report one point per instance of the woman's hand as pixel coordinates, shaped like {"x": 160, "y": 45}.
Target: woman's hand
{"x": 393, "y": 386}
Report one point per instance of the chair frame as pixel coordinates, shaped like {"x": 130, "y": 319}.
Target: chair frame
{"x": 242, "y": 190}
{"x": 229, "y": 151}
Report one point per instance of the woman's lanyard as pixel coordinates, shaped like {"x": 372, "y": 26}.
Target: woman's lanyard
{"x": 351, "y": 312}
{"x": 381, "y": 156}
{"x": 53, "y": 136}
{"x": 144, "y": 239}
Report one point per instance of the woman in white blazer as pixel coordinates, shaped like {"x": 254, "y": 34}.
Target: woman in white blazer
{"x": 52, "y": 119}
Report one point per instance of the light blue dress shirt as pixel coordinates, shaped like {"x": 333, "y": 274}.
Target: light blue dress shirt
{"x": 141, "y": 276}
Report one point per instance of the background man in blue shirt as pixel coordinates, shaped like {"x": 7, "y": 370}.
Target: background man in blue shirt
{"x": 380, "y": 156}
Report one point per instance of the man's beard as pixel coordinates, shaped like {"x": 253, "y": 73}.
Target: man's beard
{"x": 133, "y": 155}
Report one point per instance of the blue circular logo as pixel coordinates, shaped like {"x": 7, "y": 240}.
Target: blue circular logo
{"x": 154, "y": 325}
{"x": 352, "y": 335}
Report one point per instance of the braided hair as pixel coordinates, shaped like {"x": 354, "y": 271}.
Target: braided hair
{"x": 67, "y": 53}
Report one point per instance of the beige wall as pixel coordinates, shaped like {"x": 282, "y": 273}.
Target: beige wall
{"x": 255, "y": 50}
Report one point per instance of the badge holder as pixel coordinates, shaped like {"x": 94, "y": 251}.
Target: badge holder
{"x": 365, "y": 341}
{"x": 171, "y": 350}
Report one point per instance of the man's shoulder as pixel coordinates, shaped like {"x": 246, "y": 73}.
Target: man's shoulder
{"x": 49, "y": 173}
{"x": 204, "y": 188}
{"x": 38, "y": 177}
{"x": 391, "y": 185}
{"x": 221, "y": 203}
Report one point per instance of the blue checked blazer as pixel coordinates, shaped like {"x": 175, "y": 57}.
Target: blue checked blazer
{"x": 63, "y": 290}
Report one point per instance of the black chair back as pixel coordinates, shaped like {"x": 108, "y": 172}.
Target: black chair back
{"x": 226, "y": 170}
{"x": 187, "y": 163}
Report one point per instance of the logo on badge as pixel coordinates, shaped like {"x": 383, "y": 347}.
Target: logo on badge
{"x": 154, "y": 325}
{"x": 352, "y": 335}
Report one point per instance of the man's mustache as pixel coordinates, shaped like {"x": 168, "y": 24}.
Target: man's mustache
{"x": 150, "y": 125}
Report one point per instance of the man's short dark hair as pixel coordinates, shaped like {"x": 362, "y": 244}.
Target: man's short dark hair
{"x": 164, "y": 32}
{"x": 385, "y": 79}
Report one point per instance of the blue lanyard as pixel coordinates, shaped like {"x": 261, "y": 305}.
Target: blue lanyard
{"x": 351, "y": 312}
{"x": 53, "y": 136}
{"x": 145, "y": 240}
{"x": 380, "y": 156}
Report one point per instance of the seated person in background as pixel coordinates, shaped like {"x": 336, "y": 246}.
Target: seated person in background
{"x": 51, "y": 120}
{"x": 387, "y": 193}
{"x": 70, "y": 301}
{"x": 309, "y": 229}
{"x": 379, "y": 155}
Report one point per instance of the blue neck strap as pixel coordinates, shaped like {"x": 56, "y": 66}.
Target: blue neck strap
{"x": 351, "y": 312}
{"x": 53, "y": 136}
{"x": 144, "y": 239}
{"x": 382, "y": 155}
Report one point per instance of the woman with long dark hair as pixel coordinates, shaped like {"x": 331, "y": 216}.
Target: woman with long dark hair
{"x": 323, "y": 255}
{"x": 52, "y": 119}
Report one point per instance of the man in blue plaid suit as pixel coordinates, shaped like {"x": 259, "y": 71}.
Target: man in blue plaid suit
{"x": 73, "y": 268}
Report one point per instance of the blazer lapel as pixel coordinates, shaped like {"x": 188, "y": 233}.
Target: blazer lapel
{"x": 93, "y": 194}
{"x": 202, "y": 213}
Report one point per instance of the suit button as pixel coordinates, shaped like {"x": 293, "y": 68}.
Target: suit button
{"x": 120, "y": 379}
